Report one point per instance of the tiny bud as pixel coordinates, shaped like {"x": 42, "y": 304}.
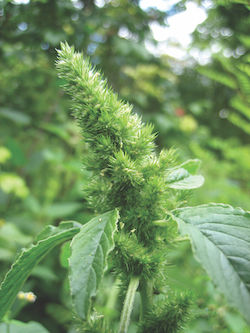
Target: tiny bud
{"x": 30, "y": 297}
{"x": 21, "y": 295}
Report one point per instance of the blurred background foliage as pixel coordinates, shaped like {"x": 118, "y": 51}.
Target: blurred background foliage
{"x": 203, "y": 110}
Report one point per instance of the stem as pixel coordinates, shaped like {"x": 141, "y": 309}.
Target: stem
{"x": 128, "y": 304}
{"x": 146, "y": 292}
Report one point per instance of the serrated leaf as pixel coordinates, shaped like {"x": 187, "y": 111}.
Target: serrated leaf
{"x": 29, "y": 258}
{"x": 16, "y": 326}
{"x": 181, "y": 179}
{"x": 89, "y": 250}
{"x": 220, "y": 236}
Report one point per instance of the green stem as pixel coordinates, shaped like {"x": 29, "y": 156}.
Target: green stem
{"x": 146, "y": 291}
{"x": 128, "y": 304}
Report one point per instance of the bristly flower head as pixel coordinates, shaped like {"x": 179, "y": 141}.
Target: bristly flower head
{"x": 167, "y": 316}
{"x": 108, "y": 124}
{"x": 127, "y": 173}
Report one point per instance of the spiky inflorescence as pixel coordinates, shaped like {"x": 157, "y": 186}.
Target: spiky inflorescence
{"x": 127, "y": 173}
{"x": 168, "y": 316}
{"x": 132, "y": 258}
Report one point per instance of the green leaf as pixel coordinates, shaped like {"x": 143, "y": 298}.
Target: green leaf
{"x": 15, "y": 326}
{"x": 223, "y": 78}
{"x": 192, "y": 166}
{"x": 241, "y": 105}
{"x": 239, "y": 121}
{"x": 181, "y": 179}
{"x": 29, "y": 258}
{"x": 220, "y": 236}
{"x": 90, "y": 249}
{"x": 65, "y": 254}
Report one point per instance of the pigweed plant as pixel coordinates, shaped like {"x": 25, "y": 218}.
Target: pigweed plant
{"x": 137, "y": 195}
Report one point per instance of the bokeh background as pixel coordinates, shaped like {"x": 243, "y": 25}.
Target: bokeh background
{"x": 197, "y": 96}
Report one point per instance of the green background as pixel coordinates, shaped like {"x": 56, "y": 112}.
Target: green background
{"x": 201, "y": 110}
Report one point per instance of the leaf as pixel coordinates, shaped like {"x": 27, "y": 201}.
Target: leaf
{"x": 220, "y": 236}
{"x": 240, "y": 122}
{"x": 223, "y": 78}
{"x": 192, "y": 166}
{"x": 240, "y": 105}
{"x": 15, "y": 326}
{"x": 181, "y": 179}
{"x": 29, "y": 258}
{"x": 90, "y": 249}
{"x": 65, "y": 254}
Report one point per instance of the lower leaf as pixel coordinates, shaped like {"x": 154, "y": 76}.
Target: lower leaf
{"x": 220, "y": 236}
{"x": 29, "y": 258}
{"x": 15, "y": 326}
{"x": 90, "y": 249}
